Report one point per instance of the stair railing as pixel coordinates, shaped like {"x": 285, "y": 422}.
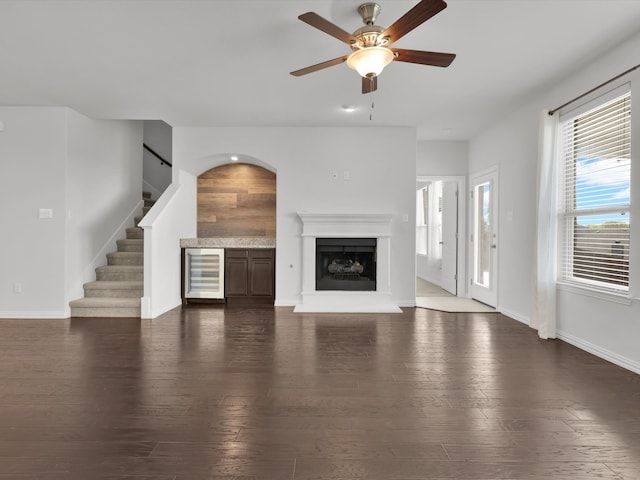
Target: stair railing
{"x": 157, "y": 155}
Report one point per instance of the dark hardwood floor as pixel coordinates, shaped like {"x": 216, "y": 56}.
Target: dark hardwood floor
{"x": 264, "y": 393}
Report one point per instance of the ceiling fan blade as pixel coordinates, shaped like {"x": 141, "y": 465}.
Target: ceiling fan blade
{"x": 419, "y": 14}
{"x": 326, "y": 26}
{"x": 369, "y": 84}
{"x": 437, "y": 59}
{"x": 320, "y": 66}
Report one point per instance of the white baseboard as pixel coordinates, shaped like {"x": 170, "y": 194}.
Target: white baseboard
{"x": 286, "y": 303}
{"x": 515, "y": 316}
{"x": 600, "y": 352}
{"x": 145, "y": 308}
{"x": 35, "y": 315}
{"x": 589, "y": 347}
{"x": 406, "y": 303}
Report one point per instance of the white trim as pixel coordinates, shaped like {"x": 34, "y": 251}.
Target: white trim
{"x": 36, "y": 315}
{"x": 600, "y": 352}
{"x": 593, "y": 293}
{"x": 286, "y": 303}
{"x": 514, "y": 316}
{"x": 346, "y": 302}
{"x": 406, "y": 303}
{"x": 145, "y": 308}
{"x": 347, "y": 225}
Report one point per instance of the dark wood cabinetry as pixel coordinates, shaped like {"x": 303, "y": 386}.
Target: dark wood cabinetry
{"x": 250, "y": 275}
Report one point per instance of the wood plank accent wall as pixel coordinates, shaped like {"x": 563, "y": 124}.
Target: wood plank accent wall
{"x": 237, "y": 200}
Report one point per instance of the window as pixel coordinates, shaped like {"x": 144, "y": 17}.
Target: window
{"x": 595, "y": 201}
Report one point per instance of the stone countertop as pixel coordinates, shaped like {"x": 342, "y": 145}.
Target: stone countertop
{"x": 232, "y": 242}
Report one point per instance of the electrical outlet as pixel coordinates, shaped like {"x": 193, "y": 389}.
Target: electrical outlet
{"x": 17, "y": 287}
{"x": 346, "y": 175}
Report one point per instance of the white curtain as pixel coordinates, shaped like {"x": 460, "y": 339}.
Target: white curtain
{"x": 545, "y": 263}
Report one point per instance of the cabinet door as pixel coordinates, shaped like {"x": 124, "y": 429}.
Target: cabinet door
{"x": 261, "y": 277}
{"x": 236, "y": 269}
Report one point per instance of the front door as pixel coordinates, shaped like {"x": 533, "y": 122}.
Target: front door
{"x": 484, "y": 237}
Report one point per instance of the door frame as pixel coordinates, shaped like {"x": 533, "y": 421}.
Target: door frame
{"x": 462, "y": 282}
{"x": 493, "y": 173}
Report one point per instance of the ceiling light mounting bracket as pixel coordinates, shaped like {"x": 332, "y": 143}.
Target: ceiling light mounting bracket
{"x": 369, "y": 12}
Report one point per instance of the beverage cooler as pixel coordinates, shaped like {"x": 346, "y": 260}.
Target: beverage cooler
{"x": 204, "y": 273}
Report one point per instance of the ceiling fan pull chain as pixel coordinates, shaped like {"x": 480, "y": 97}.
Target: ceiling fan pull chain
{"x": 372, "y": 107}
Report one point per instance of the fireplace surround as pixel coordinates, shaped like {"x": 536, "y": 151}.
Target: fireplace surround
{"x": 346, "y": 226}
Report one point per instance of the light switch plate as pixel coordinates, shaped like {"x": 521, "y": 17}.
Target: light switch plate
{"x": 45, "y": 213}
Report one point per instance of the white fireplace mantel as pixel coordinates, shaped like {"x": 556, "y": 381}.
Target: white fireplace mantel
{"x": 346, "y": 225}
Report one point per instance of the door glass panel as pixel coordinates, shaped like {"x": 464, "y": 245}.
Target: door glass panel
{"x": 482, "y": 207}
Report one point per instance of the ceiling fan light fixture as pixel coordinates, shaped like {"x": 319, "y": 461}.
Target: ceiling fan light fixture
{"x": 370, "y": 61}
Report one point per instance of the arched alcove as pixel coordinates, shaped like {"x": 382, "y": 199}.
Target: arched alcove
{"x": 237, "y": 200}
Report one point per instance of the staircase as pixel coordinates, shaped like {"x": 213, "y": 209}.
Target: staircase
{"x": 119, "y": 284}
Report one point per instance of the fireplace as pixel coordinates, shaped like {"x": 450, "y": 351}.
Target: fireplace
{"x": 346, "y": 264}
{"x": 348, "y": 237}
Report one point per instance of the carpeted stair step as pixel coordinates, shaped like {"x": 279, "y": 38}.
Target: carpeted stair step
{"x": 130, "y": 245}
{"x": 106, "y": 307}
{"x": 121, "y": 273}
{"x": 137, "y": 219}
{"x": 125, "y": 258}
{"x": 135, "y": 232}
{"x": 119, "y": 285}
{"x": 114, "y": 288}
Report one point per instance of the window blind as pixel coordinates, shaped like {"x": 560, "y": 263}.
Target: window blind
{"x": 595, "y": 203}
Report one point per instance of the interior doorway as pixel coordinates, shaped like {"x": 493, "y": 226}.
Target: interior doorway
{"x": 440, "y": 226}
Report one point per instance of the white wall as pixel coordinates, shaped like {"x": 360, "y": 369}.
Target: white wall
{"x": 380, "y": 164}
{"x": 608, "y": 329}
{"x": 158, "y": 135}
{"x": 33, "y": 152}
{"x": 89, "y": 174}
{"x": 104, "y": 192}
{"x": 442, "y": 158}
{"x": 173, "y": 216}
{"x": 512, "y": 146}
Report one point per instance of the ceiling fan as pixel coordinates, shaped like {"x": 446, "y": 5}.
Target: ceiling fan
{"x": 371, "y": 43}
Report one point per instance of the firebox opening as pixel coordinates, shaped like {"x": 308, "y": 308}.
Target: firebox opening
{"x": 346, "y": 264}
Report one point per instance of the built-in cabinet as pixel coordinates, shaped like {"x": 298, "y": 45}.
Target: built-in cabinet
{"x": 250, "y": 275}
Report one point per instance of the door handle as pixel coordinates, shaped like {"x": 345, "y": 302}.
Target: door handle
{"x": 494, "y": 246}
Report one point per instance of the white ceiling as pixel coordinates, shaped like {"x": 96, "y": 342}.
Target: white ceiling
{"x": 227, "y": 62}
